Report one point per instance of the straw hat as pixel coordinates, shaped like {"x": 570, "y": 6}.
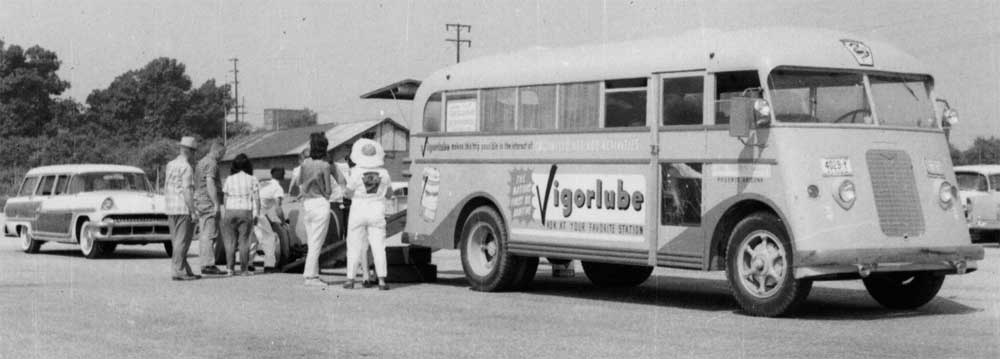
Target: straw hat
{"x": 187, "y": 141}
{"x": 367, "y": 153}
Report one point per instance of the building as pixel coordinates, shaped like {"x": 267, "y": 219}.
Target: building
{"x": 276, "y": 119}
{"x": 283, "y": 148}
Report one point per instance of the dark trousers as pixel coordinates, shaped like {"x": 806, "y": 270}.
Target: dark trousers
{"x": 181, "y": 231}
{"x": 237, "y": 225}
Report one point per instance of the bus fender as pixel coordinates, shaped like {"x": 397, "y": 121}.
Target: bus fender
{"x": 721, "y": 219}
{"x": 447, "y": 234}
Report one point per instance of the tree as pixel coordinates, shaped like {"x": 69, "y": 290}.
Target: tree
{"x": 983, "y": 151}
{"x": 237, "y": 129}
{"x": 157, "y": 101}
{"x": 28, "y": 81}
{"x": 304, "y": 118}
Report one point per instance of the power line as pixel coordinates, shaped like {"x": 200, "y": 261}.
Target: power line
{"x": 458, "y": 39}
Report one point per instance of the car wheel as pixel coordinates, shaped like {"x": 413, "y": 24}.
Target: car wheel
{"x": 903, "y": 290}
{"x": 616, "y": 275}
{"x": 28, "y": 245}
{"x": 88, "y": 245}
{"x": 169, "y": 248}
{"x": 488, "y": 266}
{"x": 759, "y": 267}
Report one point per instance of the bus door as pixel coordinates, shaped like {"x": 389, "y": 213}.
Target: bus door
{"x": 683, "y": 123}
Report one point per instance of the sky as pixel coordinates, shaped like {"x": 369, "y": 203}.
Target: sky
{"x": 323, "y": 55}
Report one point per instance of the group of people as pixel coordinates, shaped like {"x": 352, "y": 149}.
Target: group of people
{"x": 242, "y": 205}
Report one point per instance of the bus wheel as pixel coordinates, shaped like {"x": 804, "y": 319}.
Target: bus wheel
{"x": 487, "y": 264}
{"x": 615, "y": 275}
{"x": 759, "y": 267}
{"x": 903, "y": 290}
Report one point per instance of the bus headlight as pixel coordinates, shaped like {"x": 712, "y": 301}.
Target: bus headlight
{"x": 946, "y": 195}
{"x": 108, "y": 204}
{"x": 845, "y": 194}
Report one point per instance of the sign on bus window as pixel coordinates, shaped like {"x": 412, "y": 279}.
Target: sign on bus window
{"x": 461, "y": 112}
{"x": 681, "y": 194}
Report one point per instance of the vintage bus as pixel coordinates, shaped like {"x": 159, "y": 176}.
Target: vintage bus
{"x": 780, "y": 155}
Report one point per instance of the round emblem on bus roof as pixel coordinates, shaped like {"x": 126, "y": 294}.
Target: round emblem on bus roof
{"x": 862, "y": 53}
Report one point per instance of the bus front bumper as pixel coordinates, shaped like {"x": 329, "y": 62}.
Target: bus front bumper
{"x": 861, "y": 262}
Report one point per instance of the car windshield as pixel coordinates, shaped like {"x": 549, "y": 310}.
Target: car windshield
{"x": 841, "y": 97}
{"x": 109, "y": 181}
{"x": 969, "y": 181}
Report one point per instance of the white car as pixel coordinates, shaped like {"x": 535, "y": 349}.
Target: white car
{"x": 97, "y": 206}
{"x": 979, "y": 188}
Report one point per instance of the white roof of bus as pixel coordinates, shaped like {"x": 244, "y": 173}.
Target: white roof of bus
{"x": 709, "y": 49}
{"x": 82, "y": 168}
{"x": 984, "y": 169}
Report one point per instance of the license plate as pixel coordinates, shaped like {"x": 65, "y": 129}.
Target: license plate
{"x": 833, "y": 167}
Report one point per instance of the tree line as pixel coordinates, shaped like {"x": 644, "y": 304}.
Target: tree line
{"x": 136, "y": 120}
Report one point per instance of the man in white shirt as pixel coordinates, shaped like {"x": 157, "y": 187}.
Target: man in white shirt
{"x": 270, "y": 230}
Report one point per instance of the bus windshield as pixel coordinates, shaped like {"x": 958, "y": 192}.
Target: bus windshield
{"x": 841, "y": 97}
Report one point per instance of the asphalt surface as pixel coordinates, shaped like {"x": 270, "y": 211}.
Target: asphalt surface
{"x": 57, "y": 304}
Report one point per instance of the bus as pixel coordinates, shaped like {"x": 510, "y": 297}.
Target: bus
{"x": 781, "y": 156}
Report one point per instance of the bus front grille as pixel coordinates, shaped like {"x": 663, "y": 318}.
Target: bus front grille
{"x": 895, "y": 191}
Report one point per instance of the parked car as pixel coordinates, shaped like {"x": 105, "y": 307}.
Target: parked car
{"x": 97, "y": 206}
{"x": 979, "y": 189}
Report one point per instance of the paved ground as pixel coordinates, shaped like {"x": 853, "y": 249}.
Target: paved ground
{"x": 57, "y": 304}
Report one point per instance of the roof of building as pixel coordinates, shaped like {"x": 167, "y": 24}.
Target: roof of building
{"x": 984, "y": 169}
{"x": 82, "y": 168}
{"x": 399, "y": 90}
{"x": 294, "y": 141}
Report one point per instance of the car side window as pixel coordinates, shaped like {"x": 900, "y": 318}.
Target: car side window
{"x": 45, "y": 189}
{"x": 61, "y": 183}
{"x": 28, "y": 186}
{"x": 995, "y": 182}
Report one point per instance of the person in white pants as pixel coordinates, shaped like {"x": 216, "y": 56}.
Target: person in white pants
{"x": 368, "y": 186}
{"x": 315, "y": 185}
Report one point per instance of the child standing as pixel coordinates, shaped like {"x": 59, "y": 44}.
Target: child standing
{"x": 368, "y": 187}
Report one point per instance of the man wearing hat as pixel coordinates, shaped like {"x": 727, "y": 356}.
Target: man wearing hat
{"x": 180, "y": 209}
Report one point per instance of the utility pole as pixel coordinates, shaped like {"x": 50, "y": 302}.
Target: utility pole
{"x": 458, "y": 39}
{"x": 237, "y": 107}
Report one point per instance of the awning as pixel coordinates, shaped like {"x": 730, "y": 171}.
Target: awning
{"x": 399, "y": 90}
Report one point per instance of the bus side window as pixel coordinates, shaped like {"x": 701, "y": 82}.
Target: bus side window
{"x": 682, "y": 100}
{"x": 729, "y": 85}
{"x": 432, "y": 113}
{"x": 625, "y": 103}
{"x": 580, "y": 105}
{"x": 497, "y": 110}
{"x": 462, "y": 112}
{"x": 537, "y": 107}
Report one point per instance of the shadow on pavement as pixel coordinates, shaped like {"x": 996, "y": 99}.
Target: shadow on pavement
{"x": 118, "y": 254}
{"x": 714, "y": 295}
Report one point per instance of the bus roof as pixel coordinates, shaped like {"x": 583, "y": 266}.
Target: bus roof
{"x": 709, "y": 49}
{"x": 82, "y": 168}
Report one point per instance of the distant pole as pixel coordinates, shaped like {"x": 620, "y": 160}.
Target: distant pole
{"x": 458, "y": 39}
{"x": 236, "y": 88}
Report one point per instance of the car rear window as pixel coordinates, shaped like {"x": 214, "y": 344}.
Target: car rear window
{"x": 28, "y": 186}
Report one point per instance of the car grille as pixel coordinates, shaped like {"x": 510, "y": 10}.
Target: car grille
{"x": 895, "y": 191}
{"x": 139, "y": 224}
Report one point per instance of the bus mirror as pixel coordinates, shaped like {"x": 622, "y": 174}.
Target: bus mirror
{"x": 950, "y": 116}
{"x": 741, "y": 113}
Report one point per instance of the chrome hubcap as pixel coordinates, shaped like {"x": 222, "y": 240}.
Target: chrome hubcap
{"x": 762, "y": 264}
{"x": 25, "y": 242}
{"x": 482, "y": 250}
{"x": 86, "y": 239}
